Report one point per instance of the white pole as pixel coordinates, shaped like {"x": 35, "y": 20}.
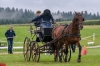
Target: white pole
{"x": 93, "y": 36}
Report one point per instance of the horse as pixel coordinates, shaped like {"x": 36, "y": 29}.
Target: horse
{"x": 69, "y": 34}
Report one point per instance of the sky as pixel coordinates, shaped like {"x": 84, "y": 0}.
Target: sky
{"x": 54, "y": 5}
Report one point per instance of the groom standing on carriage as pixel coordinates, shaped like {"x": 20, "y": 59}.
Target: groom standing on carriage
{"x": 37, "y": 22}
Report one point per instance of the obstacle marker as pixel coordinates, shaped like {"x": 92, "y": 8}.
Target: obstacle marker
{"x": 2, "y": 64}
{"x": 90, "y": 43}
{"x": 84, "y": 51}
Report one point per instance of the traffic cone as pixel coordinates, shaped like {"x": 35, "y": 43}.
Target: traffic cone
{"x": 2, "y": 64}
{"x": 84, "y": 51}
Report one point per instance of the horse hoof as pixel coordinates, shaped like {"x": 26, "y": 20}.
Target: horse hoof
{"x": 78, "y": 60}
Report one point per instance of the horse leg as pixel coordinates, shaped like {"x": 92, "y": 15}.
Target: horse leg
{"x": 65, "y": 53}
{"x": 65, "y": 47}
{"x": 79, "y": 55}
{"x": 60, "y": 49}
{"x": 55, "y": 55}
{"x": 55, "y": 52}
{"x": 73, "y": 47}
{"x": 58, "y": 52}
{"x": 60, "y": 55}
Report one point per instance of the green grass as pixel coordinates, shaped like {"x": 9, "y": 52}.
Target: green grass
{"x": 88, "y": 31}
{"x": 22, "y": 32}
{"x": 91, "y": 59}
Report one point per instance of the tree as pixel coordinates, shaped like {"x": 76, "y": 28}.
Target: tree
{"x": 8, "y": 9}
{"x": 20, "y": 16}
{"x": 13, "y": 9}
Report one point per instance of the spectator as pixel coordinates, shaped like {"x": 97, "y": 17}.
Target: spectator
{"x": 10, "y": 34}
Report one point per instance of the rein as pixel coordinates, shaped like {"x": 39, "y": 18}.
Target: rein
{"x": 60, "y": 37}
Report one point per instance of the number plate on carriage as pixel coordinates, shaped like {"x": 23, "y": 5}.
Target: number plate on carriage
{"x": 37, "y": 35}
{"x": 38, "y": 28}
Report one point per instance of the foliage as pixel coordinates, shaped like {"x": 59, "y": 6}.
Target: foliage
{"x": 20, "y": 16}
{"x": 92, "y": 22}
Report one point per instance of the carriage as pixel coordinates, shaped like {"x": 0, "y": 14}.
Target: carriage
{"x": 43, "y": 34}
{"x": 68, "y": 35}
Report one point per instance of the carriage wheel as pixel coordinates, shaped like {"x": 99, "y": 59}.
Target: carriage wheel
{"x": 68, "y": 55}
{"x": 35, "y": 51}
{"x": 26, "y": 49}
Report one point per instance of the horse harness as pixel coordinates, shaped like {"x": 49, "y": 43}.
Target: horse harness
{"x": 63, "y": 35}
{"x": 69, "y": 35}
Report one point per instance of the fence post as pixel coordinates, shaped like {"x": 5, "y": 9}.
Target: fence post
{"x": 93, "y": 36}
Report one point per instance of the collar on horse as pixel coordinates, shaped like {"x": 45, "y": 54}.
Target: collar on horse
{"x": 69, "y": 35}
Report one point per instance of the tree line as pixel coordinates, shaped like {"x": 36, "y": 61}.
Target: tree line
{"x": 20, "y": 16}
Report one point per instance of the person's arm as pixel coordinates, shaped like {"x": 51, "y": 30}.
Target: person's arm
{"x": 52, "y": 18}
{"x": 14, "y": 33}
{"x": 35, "y": 19}
{"x": 53, "y": 22}
{"x": 6, "y": 34}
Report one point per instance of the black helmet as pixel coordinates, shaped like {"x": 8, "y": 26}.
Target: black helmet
{"x": 47, "y": 13}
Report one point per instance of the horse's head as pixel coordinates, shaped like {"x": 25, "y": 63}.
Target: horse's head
{"x": 78, "y": 19}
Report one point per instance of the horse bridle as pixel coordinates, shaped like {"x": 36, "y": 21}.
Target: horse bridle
{"x": 77, "y": 23}
{"x": 78, "y": 34}
{"x": 71, "y": 35}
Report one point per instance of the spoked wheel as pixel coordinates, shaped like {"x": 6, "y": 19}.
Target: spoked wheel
{"x": 35, "y": 51}
{"x": 68, "y": 55}
{"x": 26, "y": 49}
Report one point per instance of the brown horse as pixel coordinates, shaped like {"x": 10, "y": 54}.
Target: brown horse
{"x": 68, "y": 35}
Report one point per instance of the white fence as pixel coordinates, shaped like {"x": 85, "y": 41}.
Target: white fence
{"x": 19, "y": 47}
{"x": 85, "y": 38}
{"x": 5, "y": 46}
{"x": 92, "y": 41}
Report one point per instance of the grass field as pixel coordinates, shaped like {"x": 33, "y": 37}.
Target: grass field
{"x": 22, "y": 32}
{"x": 92, "y": 59}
